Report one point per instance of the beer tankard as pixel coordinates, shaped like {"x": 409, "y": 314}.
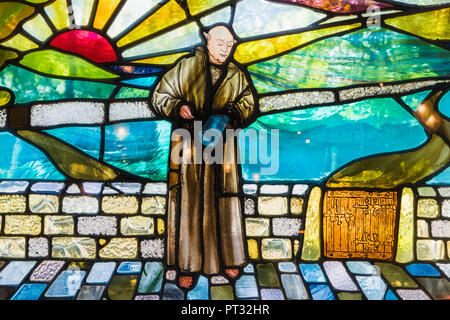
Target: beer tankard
{"x": 215, "y": 125}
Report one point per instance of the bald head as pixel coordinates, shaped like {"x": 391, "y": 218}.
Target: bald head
{"x": 220, "y": 42}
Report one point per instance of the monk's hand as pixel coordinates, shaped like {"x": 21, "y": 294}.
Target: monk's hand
{"x": 185, "y": 112}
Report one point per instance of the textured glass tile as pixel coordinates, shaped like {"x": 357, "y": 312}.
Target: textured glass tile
{"x": 406, "y": 294}
{"x": 249, "y": 20}
{"x": 119, "y": 248}
{"x": 41, "y": 203}
{"x": 201, "y": 290}
{"x": 93, "y": 188}
{"x": 29, "y": 291}
{"x": 272, "y": 248}
{"x": 122, "y": 287}
{"x": 98, "y": 225}
{"x": 15, "y": 272}
{"x": 271, "y": 294}
{"x": 250, "y": 188}
{"x": 338, "y": 276}
{"x": 427, "y": 208}
{"x": 286, "y": 226}
{"x": 129, "y": 267}
{"x": 73, "y": 247}
{"x": 422, "y": 229}
{"x": 47, "y": 187}
{"x": 312, "y": 273}
{"x": 218, "y": 280}
{"x": 172, "y": 292}
{"x": 294, "y": 287}
{"x": 311, "y": 242}
{"x": 12, "y": 247}
{"x": 430, "y": 249}
{"x": 249, "y": 206}
{"x": 119, "y": 205}
{"x": 58, "y": 225}
{"x": 128, "y": 188}
{"x": 373, "y": 287}
{"x": 257, "y": 227}
{"x": 296, "y": 205}
{"x": 422, "y": 270}
{"x": 130, "y": 110}
{"x": 253, "y": 249}
{"x": 446, "y": 208}
{"x": 405, "y": 245}
{"x": 396, "y": 276}
{"x": 86, "y": 205}
{"x": 90, "y": 292}
{"x": 46, "y": 270}
{"x": 267, "y": 275}
{"x": 249, "y": 268}
{"x": 361, "y": 267}
{"x": 440, "y": 229}
{"x": 321, "y": 292}
{"x": 12, "y": 204}
{"x": 13, "y": 186}
{"x": 38, "y": 247}
{"x": 147, "y": 297}
{"x": 273, "y": 189}
{"x": 246, "y": 287}
{"x": 222, "y": 293}
{"x": 66, "y": 285}
{"x": 287, "y": 267}
{"x": 272, "y": 205}
{"x": 155, "y": 188}
{"x": 152, "y": 248}
{"x": 152, "y": 277}
{"x": 137, "y": 225}
{"x": 153, "y": 205}
{"x": 101, "y": 272}
{"x": 67, "y": 113}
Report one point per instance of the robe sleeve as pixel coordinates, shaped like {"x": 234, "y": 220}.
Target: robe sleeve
{"x": 167, "y": 97}
{"x": 244, "y": 108}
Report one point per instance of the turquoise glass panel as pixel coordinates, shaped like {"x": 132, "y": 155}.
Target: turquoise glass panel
{"x": 315, "y": 142}
{"x": 413, "y": 100}
{"x": 422, "y": 270}
{"x": 441, "y": 178}
{"x": 29, "y": 291}
{"x": 141, "y": 148}
{"x": 28, "y": 87}
{"x": 444, "y": 105}
{"x": 145, "y": 82}
{"x": 369, "y": 55}
{"x": 87, "y": 139}
{"x": 20, "y": 160}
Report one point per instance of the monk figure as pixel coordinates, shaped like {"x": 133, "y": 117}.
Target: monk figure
{"x": 204, "y": 222}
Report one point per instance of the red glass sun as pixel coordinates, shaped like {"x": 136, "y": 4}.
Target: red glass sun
{"x": 87, "y": 44}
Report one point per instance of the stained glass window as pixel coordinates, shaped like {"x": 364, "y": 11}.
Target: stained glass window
{"x": 312, "y": 140}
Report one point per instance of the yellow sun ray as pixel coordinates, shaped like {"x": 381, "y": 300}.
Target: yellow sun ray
{"x": 58, "y": 14}
{"x": 105, "y": 9}
{"x": 20, "y": 43}
{"x": 38, "y": 28}
{"x": 163, "y": 60}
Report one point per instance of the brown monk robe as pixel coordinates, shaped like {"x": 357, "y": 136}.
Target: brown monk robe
{"x": 210, "y": 231}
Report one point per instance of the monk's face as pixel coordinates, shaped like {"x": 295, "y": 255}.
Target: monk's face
{"x": 220, "y": 43}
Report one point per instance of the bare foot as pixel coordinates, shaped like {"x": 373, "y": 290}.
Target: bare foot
{"x": 185, "y": 281}
{"x": 232, "y": 273}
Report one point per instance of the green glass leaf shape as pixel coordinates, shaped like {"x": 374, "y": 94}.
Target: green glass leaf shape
{"x": 392, "y": 170}
{"x": 56, "y": 63}
{"x": 11, "y": 14}
{"x": 69, "y": 160}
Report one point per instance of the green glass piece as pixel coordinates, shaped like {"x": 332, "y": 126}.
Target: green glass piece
{"x": 405, "y": 244}
{"x": 222, "y": 293}
{"x": 311, "y": 243}
{"x": 438, "y": 288}
{"x": 396, "y": 276}
{"x": 11, "y": 14}
{"x": 426, "y": 192}
{"x": 72, "y": 162}
{"x": 267, "y": 275}
{"x": 415, "y": 99}
{"x": 392, "y": 170}
{"x": 130, "y": 93}
{"x": 349, "y": 296}
{"x": 368, "y": 55}
{"x": 6, "y": 55}
{"x": 122, "y": 287}
{"x": 152, "y": 278}
{"x": 62, "y": 64}
{"x": 29, "y": 87}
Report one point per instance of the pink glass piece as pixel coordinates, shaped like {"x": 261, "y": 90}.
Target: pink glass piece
{"x": 87, "y": 44}
{"x": 340, "y": 6}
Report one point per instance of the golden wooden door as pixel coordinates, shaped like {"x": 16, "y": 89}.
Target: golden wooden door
{"x": 359, "y": 224}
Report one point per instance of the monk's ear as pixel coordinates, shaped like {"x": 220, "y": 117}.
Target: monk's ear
{"x": 206, "y": 35}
